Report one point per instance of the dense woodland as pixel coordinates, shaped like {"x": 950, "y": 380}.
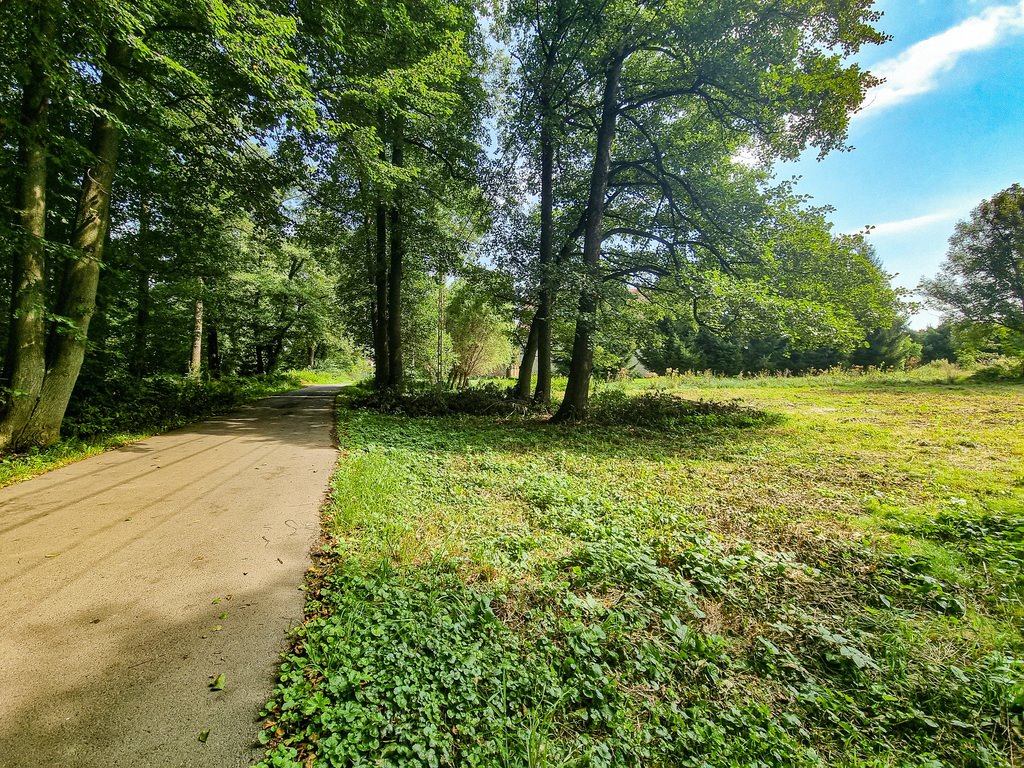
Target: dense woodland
{"x": 230, "y": 187}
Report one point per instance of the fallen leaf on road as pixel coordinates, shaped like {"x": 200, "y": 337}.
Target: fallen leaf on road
{"x": 54, "y": 554}
{"x": 203, "y": 736}
{"x": 218, "y": 683}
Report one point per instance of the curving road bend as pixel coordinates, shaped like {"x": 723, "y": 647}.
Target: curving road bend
{"x": 130, "y": 580}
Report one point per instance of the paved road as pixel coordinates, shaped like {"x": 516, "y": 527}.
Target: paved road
{"x": 130, "y": 579}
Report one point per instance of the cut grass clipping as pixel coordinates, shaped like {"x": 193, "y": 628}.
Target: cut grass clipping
{"x": 826, "y": 589}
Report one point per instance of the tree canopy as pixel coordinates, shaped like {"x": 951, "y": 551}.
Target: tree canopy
{"x": 233, "y": 186}
{"x": 981, "y": 281}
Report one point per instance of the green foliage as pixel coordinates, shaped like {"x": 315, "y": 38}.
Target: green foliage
{"x": 720, "y": 593}
{"x": 479, "y": 324}
{"x": 982, "y": 279}
{"x": 487, "y": 398}
{"x": 159, "y": 402}
{"x": 664, "y": 411}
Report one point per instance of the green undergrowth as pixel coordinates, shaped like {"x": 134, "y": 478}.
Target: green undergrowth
{"x": 824, "y": 586}
{"x": 117, "y": 411}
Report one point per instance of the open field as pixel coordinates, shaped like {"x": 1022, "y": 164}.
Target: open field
{"x": 835, "y": 580}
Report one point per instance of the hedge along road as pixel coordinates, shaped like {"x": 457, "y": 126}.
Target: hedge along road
{"x": 130, "y": 580}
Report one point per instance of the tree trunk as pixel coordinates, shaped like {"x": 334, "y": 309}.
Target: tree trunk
{"x": 212, "y": 351}
{"x": 142, "y": 300}
{"x": 312, "y": 356}
{"x": 440, "y": 328}
{"x": 77, "y": 299}
{"x": 381, "y": 356}
{"x": 525, "y": 378}
{"x": 26, "y": 356}
{"x": 395, "y": 272}
{"x": 542, "y": 395}
{"x": 577, "y": 390}
{"x": 195, "y": 365}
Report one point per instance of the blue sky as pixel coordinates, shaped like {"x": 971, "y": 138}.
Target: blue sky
{"x": 943, "y": 133}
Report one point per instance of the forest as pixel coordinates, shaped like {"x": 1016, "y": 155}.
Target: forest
{"x": 223, "y": 189}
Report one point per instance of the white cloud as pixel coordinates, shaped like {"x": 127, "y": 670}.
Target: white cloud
{"x": 910, "y": 225}
{"x": 916, "y": 70}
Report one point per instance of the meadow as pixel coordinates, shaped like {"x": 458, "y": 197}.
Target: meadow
{"x": 765, "y": 572}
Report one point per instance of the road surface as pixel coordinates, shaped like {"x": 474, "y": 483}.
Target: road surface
{"x": 130, "y": 580}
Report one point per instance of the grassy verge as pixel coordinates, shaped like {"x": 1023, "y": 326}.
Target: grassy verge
{"x": 101, "y": 423}
{"x": 840, "y": 586}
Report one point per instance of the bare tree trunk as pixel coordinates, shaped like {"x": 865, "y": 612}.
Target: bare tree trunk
{"x": 577, "y": 391}
{"x": 440, "y": 327}
{"x": 26, "y": 357}
{"x": 395, "y": 271}
{"x": 212, "y": 351}
{"x": 312, "y": 356}
{"x": 142, "y": 300}
{"x": 525, "y": 379}
{"x": 542, "y": 395}
{"x": 381, "y": 357}
{"x": 77, "y": 301}
{"x": 195, "y": 365}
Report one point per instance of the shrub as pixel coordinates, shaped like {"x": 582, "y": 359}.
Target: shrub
{"x": 488, "y": 399}
{"x": 658, "y": 409}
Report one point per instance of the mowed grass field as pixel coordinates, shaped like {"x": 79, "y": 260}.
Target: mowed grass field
{"x": 825, "y": 572}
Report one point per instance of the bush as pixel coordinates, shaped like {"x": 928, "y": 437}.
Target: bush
{"x": 489, "y": 399}
{"x": 658, "y": 409}
{"x": 1000, "y": 369}
{"x": 157, "y": 402}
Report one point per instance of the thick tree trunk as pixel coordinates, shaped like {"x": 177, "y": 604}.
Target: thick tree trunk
{"x": 577, "y": 391}
{"x": 381, "y": 356}
{"x": 395, "y": 272}
{"x": 311, "y": 361}
{"x": 26, "y": 356}
{"x": 195, "y": 364}
{"x": 77, "y": 299}
{"x": 525, "y": 378}
{"x": 542, "y": 395}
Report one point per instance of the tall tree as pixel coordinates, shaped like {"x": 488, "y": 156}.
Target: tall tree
{"x": 771, "y": 74}
{"x": 167, "y": 68}
{"x": 982, "y": 279}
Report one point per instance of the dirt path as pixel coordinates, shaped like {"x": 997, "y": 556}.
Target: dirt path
{"x": 129, "y": 579}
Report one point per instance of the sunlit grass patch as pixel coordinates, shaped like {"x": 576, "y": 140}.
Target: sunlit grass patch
{"x": 832, "y": 584}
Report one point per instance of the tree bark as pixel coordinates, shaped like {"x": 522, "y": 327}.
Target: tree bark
{"x": 26, "y": 356}
{"x": 381, "y": 356}
{"x": 142, "y": 299}
{"x": 395, "y": 271}
{"x": 577, "y": 391}
{"x": 195, "y": 365}
{"x": 440, "y": 328}
{"x": 542, "y": 395}
{"x": 212, "y": 351}
{"x": 81, "y": 279}
{"x": 525, "y": 378}
{"x": 77, "y": 297}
